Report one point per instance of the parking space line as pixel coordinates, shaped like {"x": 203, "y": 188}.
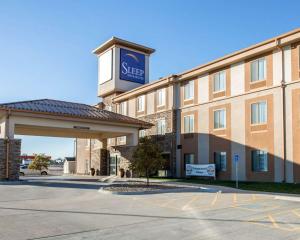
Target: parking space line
{"x": 234, "y": 198}
{"x": 296, "y": 213}
{"x": 186, "y": 206}
{"x": 275, "y": 225}
{"x": 253, "y": 197}
{"x": 215, "y": 198}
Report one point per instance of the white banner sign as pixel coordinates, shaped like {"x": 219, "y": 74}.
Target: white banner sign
{"x": 203, "y": 170}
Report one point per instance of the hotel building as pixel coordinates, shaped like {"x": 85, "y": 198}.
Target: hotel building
{"x": 246, "y": 103}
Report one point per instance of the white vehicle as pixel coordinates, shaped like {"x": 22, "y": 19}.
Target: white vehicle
{"x": 24, "y": 170}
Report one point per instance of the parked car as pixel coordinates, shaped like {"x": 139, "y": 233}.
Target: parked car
{"x": 24, "y": 170}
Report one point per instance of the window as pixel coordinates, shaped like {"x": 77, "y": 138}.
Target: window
{"x": 220, "y": 81}
{"x": 189, "y": 158}
{"x": 110, "y": 141}
{"x": 219, "y": 119}
{"x": 259, "y": 161}
{"x": 141, "y": 103}
{"x": 220, "y": 161}
{"x": 123, "y": 108}
{"x": 161, "y": 127}
{"x": 142, "y": 133}
{"x": 258, "y": 113}
{"x": 122, "y": 140}
{"x": 189, "y": 124}
{"x": 258, "y": 70}
{"x": 161, "y": 97}
{"x": 189, "y": 90}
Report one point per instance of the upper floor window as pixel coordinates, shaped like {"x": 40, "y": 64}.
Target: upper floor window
{"x": 161, "y": 127}
{"x": 141, "y": 103}
{"x": 259, "y": 160}
{"x": 189, "y": 90}
{"x": 259, "y": 112}
{"x": 189, "y": 124}
{"x": 258, "y": 70}
{"x": 220, "y": 81}
{"x": 161, "y": 97}
{"x": 219, "y": 119}
{"x": 220, "y": 160}
{"x": 142, "y": 133}
{"x": 123, "y": 108}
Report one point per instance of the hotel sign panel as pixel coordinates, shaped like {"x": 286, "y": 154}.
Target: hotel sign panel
{"x": 132, "y": 66}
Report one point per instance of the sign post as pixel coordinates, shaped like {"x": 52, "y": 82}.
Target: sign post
{"x": 236, "y": 160}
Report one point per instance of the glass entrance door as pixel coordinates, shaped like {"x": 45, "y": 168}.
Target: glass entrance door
{"x": 113, "y": 164}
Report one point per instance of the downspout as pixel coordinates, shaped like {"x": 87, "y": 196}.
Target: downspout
{"x": 283, "y": 86}
{"x": 7, "y": 143}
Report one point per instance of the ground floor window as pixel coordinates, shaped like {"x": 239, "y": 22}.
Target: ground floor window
{"x": 122, "y": 140}
{"x": 189, "y": 158}
{"x": 142, "y": 133}
{"x": 161, "y": 126}
{"x": 259, "y": 161}
{"x": 220, "y": 161}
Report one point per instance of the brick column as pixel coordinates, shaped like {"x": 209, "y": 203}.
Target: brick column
{"x": 13, "y": 157}
{"x": 103, "y": 158}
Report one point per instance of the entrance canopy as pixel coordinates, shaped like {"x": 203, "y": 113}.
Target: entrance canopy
{"x": 55, "y": 118}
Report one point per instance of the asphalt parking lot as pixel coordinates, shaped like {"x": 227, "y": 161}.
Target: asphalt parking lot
{"x": 73, "y": 208}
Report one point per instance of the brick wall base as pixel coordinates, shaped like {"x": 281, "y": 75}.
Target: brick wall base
{"x": 14, "y": 158}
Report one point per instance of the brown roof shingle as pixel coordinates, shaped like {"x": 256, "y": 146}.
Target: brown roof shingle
{"x": 57, "y": 107}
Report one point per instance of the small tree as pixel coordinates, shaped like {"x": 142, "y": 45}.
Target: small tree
{"x": 147, "y": 157}
{"x": 40, "y": 161}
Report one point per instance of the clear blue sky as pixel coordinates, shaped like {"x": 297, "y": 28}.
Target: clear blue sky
{"x": 46, "y": 45}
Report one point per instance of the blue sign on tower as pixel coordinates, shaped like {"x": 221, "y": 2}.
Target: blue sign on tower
{"x": 132, "y": 66}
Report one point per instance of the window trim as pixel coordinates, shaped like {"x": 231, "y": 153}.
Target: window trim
{"x": 144, "y": 131}
{"x": 184, "y": 159}
{"x": 259, "y": 123}
{"x": 215, "y": 160}
{"x": 165, "y": 124}
{"x": 220, "y": 109}
{"x": 267, "y": 160}
{"x": 126, "y": 109}
{"x": 219, "y": 91}
{"x": 265, "y": 70}
{"x": 122, "y": 140}
{"x": 163, "y": 90}
{"x": 188, "y": 83}
{"x": 185, "y": 116}
{"x": 137, "y": 108}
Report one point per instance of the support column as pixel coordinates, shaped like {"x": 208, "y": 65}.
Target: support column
{"x": 104, "y": 158}
{"x": 10, "y": 150}
{"x": 7, "y": 127}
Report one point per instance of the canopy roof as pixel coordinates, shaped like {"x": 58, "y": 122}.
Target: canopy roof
{"x": 70, "y": 109}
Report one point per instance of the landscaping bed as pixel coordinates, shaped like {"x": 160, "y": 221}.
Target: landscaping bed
{"x": 141, "y": 187}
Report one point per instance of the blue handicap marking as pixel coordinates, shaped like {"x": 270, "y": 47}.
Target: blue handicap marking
{"x": 236, "y": 157}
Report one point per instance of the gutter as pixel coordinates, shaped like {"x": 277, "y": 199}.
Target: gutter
{"x": 283, "y": 92}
